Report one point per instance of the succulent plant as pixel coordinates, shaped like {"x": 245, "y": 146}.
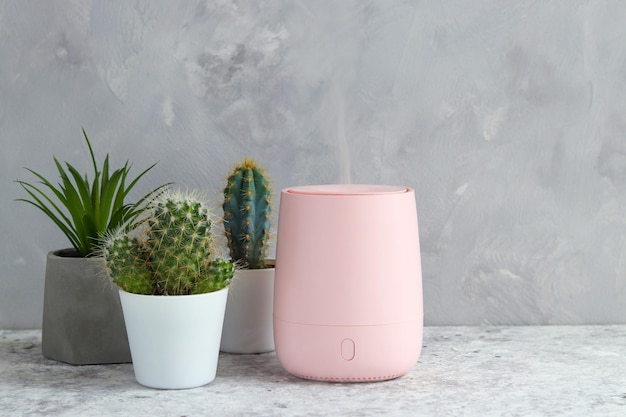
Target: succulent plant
{"x": 84, "y": 210}
{"x": 247, "y": 208}
{"x": 171, "y": 252}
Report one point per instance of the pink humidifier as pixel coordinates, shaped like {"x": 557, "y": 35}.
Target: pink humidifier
{"x": 348, "y": 282}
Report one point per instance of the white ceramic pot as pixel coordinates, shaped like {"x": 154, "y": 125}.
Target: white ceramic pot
{"x": 174, "y": 340}
{"x": 248, "y": 323}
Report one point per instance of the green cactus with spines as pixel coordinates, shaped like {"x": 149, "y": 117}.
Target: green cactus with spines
{"x": 174, "y": 251}
{"x": 247, "y": 209}
{"x": 180, "y": 239}
{"x": 220, "y": 274}
{"x": 127, "y": 263}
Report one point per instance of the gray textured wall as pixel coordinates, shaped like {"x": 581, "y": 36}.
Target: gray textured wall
{"x": 508, "y": 119}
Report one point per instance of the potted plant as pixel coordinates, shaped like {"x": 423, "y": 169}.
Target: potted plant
{"x": 173, "y": 290}
{"x": 248, "y": 324}
{"x": 82, "y": 317}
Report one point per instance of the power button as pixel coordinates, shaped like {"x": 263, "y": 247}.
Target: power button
{"x": 347, "y": 349}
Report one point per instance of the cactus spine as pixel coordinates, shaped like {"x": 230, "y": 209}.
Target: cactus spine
{"x": 247, "y": 210}
{"x": 173, "y": 254}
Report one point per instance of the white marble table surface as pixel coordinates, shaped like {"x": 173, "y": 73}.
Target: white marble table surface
{"x": 463, "y": 371}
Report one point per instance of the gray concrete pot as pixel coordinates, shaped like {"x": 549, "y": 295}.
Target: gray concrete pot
{"x": 83, "y": 322}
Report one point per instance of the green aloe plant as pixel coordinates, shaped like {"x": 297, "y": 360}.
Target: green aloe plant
{"x": 86, "y": 210}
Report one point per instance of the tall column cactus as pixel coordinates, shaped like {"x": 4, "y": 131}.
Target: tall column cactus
{"x": 247, "y": 207}
{"x": 173, "y": 252}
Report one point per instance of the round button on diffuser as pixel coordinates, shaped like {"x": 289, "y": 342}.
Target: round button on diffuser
{"x": 347, "y": 349}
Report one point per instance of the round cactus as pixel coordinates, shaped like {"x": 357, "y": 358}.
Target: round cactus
{"x": 247, "y": 208}
{"x": 180, "y": 240}
{"x": 174, "y": 254}
{"x": 127, "y": 264}
{"x": 220, "y": 273}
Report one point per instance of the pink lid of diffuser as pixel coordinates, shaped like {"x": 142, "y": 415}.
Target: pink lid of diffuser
{"x": 347, "y": 189}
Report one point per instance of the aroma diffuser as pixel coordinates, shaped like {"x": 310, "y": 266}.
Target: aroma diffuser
{"x": 348, "y": 284}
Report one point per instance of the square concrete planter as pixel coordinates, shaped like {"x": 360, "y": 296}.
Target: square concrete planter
{"x": 83, "y": 322}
